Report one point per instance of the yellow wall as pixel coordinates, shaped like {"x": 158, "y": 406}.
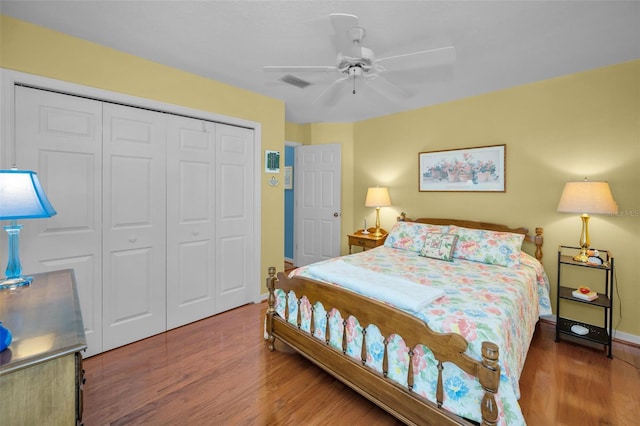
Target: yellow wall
{"x": 35, "y": 50}
{"x": 300, "y": 133}
{"x": 558, "y": 130}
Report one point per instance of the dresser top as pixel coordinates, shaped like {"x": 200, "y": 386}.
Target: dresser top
{"x": 44, "y": 319}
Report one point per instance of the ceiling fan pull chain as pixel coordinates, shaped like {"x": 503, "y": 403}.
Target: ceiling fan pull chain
{"x": 354, "y": 84}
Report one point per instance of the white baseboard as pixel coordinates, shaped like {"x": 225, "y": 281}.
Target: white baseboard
{"x": 621, "y": 336}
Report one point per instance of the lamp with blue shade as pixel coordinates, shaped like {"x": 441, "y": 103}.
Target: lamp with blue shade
{"x": 21, "y": 197}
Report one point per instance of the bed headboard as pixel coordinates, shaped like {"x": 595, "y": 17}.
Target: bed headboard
{"x": 536, "y": 239}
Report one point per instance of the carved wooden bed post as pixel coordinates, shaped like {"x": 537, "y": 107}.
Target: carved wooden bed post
{"x": 538, "y": 240}
{"x": 271, "y": 310}
{"x": 489, "y": 377}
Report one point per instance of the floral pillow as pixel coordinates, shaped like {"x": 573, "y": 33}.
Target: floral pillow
{"x": 439, "y": 246}
{"x": 411, "y": 235}
{"x": 492, "y": 247}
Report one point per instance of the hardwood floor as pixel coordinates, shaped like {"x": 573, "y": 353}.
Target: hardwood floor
{"x": 218, "y": 371}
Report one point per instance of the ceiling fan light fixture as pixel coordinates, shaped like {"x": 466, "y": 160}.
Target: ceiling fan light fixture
{"x": 355, "y": 71}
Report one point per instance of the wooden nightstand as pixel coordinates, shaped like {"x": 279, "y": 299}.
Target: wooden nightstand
{"x": 366, "y": 241}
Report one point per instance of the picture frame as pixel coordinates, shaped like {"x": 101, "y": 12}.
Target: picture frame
{"x": 271, "y": 161}
{"x": 477, "y": 169}
{"x": 288, "y": 177}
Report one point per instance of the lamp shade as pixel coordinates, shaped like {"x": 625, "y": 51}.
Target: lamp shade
{"x": 377, "y": 197}
{"x": 587, "y": 197}
{"x": 22, "y": 197}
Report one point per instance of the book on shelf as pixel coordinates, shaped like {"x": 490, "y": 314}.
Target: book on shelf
{"x": 591, "y": 295}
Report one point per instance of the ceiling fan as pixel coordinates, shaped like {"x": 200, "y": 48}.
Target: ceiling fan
{"x": 355, "y": 61}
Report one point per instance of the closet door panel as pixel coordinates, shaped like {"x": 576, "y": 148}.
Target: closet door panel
{"x": 134, "y": 225}
{"x": 190, "y": 220}
{"x": 60, "y": 137}
{"x": 235, "y": 212}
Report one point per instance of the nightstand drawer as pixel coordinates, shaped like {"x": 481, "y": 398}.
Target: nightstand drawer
{"x": 365, "y": 241}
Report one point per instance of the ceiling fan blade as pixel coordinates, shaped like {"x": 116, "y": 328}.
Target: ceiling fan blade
{"x": 421, "y": 59}
{"x": 386, "y": 88}
{"x": 332, "y": 94}
{"x": 299, "y": 68}
{"x": 342, "y": 24}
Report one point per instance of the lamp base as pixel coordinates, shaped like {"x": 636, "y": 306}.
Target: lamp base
{"x": 15, "y": 282}
{"x": 379, "y": 232}
{"x": 582, "y": 257}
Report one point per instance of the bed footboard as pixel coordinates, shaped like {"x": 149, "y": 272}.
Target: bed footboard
{"x": 398, "y": 400}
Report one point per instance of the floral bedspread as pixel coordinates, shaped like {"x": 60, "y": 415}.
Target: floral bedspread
{"x": 482, "y": 302}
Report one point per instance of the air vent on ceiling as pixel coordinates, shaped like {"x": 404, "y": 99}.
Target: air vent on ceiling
{"x": 295, "y": 81}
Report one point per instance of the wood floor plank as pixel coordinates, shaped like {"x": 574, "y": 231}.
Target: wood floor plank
{"x": 218, "y": 371}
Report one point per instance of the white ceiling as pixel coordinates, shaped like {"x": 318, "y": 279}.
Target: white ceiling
{"x": 499, "y": 44}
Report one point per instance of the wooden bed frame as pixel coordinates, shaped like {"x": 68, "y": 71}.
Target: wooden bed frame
{"x": 400, "y": 401}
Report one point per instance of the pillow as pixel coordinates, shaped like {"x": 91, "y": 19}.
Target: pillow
{"x": 439, "y": 246}
{"x": 491, "y": 247}
{"x": 411, "y": 235}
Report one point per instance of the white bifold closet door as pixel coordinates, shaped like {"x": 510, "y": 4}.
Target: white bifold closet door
{"x": 210, "y": 208}
{"x": 191, "y": 219}
{"x": 235, "y": 211}
{"x": 156, "y": 212}
{"x": 61, "y": 138}
{"x": 134, "y": 224}
{"x": 103, "y": 168}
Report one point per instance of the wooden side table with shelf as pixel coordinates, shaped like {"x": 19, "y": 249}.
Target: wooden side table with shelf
{"x": 366, "y": 241}
{"x": 601, "y": 334}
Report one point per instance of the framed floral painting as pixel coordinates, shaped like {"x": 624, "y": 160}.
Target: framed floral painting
{"x": 471, "y": 169}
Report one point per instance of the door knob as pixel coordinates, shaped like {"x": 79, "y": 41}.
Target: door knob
{"x": 335, "y": 214}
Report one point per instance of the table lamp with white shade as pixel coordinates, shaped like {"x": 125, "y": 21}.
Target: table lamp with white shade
{"x": 378, "y": 197}
{"x": 586, "y": 198}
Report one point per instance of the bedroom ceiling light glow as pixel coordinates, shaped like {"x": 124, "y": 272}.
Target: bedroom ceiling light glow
{"x": 586, "y": 197}
{"x": 378, "y": 197}
{"x": 21, "y": 197}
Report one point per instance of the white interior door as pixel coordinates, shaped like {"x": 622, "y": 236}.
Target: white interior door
{"x": 60, "y": 137}
{"x": 134, "y": 225}
{"x": 235, "y": 212}
{"x": 190, "y": 220}
{"x": 317, "y": 203}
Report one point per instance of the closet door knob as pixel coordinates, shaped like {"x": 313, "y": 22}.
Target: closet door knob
{"x": 133, "y": 239}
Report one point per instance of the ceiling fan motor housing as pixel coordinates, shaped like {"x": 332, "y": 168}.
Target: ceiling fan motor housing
{"x": 365, "y": 61}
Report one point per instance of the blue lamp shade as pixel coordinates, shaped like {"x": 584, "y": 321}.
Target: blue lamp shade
{"x": 21, "y": 197}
